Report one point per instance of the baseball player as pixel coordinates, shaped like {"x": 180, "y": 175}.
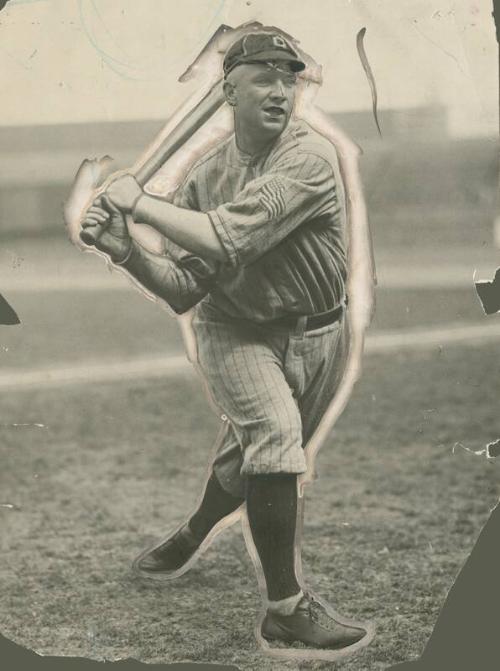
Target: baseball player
{"x": 255, "y": 240}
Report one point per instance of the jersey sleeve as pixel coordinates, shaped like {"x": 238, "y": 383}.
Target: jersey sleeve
{"x": 179, "y": 287}
{"x": 299, "y": 186}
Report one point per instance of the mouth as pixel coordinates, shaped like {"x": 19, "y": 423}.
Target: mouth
{"x": 274, "y": 112}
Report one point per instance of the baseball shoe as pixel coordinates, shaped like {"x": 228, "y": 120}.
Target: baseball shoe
{"x": 172, "y": 557}
{"x": 311, "y": 625}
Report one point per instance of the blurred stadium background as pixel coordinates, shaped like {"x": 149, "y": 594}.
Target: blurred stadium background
{"x": 416, "y": 163}
{"x": 432, "y": 201}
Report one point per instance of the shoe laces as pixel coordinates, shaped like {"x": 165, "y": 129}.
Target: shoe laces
{"x": 314, "y": 608}
{"x": 319, "y": 614}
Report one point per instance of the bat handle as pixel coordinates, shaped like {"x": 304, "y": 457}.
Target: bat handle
{"x": 91, "y": 234}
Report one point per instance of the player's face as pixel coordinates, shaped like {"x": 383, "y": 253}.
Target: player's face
{"x": 263, "y": 98}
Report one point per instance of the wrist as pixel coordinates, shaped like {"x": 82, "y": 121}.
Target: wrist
{"x": 123, "y": 256}
{"x": 137, "y": 207}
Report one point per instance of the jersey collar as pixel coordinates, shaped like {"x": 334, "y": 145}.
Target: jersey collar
{"x": 238, "y": 158}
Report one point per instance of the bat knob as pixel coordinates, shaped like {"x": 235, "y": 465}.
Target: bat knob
{"x": 90, "y": 235}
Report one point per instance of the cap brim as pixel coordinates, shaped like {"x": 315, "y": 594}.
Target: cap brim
{"x": 271, "y": 55}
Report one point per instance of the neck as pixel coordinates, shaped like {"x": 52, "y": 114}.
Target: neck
{"x": 250, "y": 142}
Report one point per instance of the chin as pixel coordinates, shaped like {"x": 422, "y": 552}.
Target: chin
{"x": 275, "y": 127}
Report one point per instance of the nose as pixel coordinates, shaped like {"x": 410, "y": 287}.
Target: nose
{"x": 278, "y": 90}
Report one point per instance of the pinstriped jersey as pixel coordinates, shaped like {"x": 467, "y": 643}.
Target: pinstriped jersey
{"x": 280, "y": 217}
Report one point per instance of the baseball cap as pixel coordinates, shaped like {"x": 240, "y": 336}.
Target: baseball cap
{"x": 260, "y": 48}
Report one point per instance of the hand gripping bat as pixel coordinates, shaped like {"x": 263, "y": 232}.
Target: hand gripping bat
{"x": 143, "y": 171}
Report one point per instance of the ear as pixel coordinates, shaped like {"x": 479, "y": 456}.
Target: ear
{"x": 230, "y": 93}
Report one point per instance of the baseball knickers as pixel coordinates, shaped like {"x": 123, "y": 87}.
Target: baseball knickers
{"x": 273, "y": 384}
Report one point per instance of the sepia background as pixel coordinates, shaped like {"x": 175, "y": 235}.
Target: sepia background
{"x": 105, "y": 431}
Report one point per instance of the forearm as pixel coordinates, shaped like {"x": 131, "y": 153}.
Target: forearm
{"x": 187, "y": 228}
{"x": 177, "y": 286}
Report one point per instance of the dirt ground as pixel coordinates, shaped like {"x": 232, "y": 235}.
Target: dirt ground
{"x": 389, "y": 522}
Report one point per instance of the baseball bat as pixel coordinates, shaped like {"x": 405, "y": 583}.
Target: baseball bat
{"x": 143, "y": 172}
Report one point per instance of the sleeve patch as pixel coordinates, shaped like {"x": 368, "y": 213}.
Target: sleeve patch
{"x": 271, "y": 198}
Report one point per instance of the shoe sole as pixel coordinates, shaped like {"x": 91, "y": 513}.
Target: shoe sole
{"x": 296, "y": 643}
{"x": 287, "y": 651}
{"x": 163, "y": 576}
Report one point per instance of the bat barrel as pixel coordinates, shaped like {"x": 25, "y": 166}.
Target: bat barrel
{"x": 181, "y": 133}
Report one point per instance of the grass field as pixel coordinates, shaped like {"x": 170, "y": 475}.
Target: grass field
{"x": 388, "y": 524}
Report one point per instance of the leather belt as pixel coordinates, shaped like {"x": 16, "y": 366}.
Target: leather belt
{"x": 313, "y": 321}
